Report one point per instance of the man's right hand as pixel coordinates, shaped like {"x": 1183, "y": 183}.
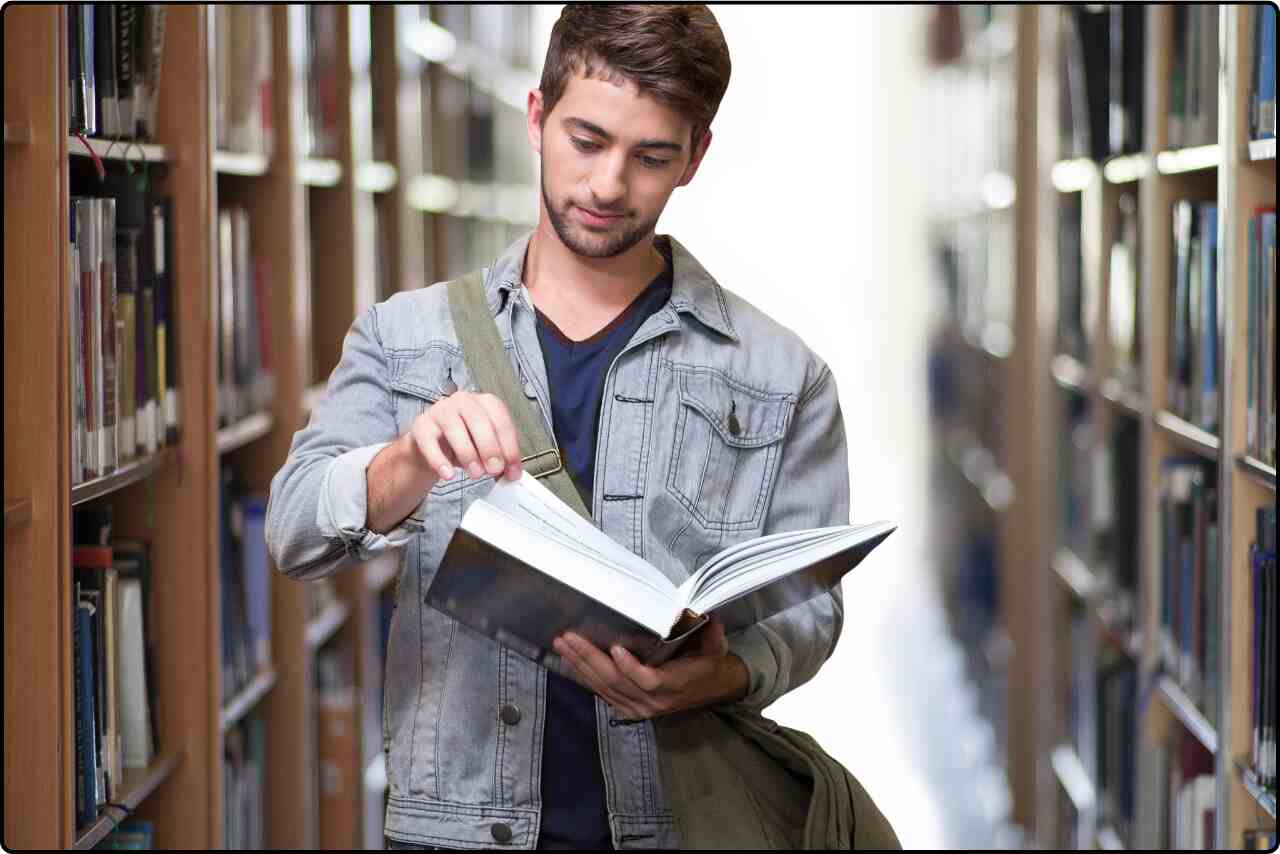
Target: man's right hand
{"x": 471, "y": 431}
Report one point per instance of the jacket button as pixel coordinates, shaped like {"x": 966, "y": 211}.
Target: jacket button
{"x": 501, "y": 832}
{"x": 510, "y": 714}
{"x": 529, "y": 391}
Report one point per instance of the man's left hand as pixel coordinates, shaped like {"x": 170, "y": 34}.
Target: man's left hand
{"x": 704, "y": 676}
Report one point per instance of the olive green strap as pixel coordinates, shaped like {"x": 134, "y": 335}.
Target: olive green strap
{"x": 491, "y": 371}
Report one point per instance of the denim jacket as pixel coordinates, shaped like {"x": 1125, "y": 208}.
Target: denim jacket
{"x": 463, "y": 716}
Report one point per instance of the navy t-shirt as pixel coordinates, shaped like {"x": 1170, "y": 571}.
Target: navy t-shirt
{"x": 574, "y": 814}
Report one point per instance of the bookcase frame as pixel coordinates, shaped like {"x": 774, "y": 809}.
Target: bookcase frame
{"x": 1239, "y": 180}
{"x": 298, "y": 206}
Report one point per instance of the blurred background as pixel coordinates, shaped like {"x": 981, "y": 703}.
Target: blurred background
{"x": 1035, "y": 244}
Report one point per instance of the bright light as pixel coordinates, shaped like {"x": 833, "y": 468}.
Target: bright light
{"x": 432, "y": 42}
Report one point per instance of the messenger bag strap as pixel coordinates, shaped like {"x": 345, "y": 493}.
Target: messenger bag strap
{"x": 486, "y": 358}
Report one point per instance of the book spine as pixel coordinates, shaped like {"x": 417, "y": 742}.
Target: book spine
{"x": 89, "y": 231}
{"x": 77, "y": 368}
{"x": 125, "y": 58}
{"x": 226, "y": 317}
{"x": 110, "y": 388}
{"x": 1251, "y": 322}
{"x": 86, "y": 802}
{"x": 173, "y": 401}
{"x": 1266, "y": 116}
{"x": 127, "y": 304}
{"x": 156, "y": 19}
{"x": 104, "y": 34}
{"x": 1209, "y": 324}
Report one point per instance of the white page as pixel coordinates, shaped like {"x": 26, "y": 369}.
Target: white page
{"x": 579, "y": 568}
{"x": 773, "y": 544}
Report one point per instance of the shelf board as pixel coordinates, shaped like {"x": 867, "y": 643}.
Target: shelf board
{"x": 17, "y": 133}
{"x": 1109, "y": 839}
{"x": 1070, "y": 373}
{"x": 123, "y": 149}
{"x": 1257, "y": 150}
{"x": 326, "y": 625}
{"x": 319, "y": 172}
{"x": 244, "y": 431}
{"x": 979, "y": 467}
{"x": 312, "y": 396}
{"x": 243, "y": 703}
{"x": 1075, "y": 573}
{"x": 1072, "y": 176}
{"x": 240, "y": 163}
{"x": 1256, "y": 470}
{"x": 1126, "y": 168}
{"x": 382, "y": 571}
{"x": 376, "y": 176}
{"x": 1196, "y": 159}
{"x": 1185, "y": 711}
{"x": 17, "y": 513}
{"x": 1071, "y": 773}
{"x": 1128, "y": 400}
{"x": 1188, "y": 435}
{"x": 127, "y": 474}
{"x": 1265, "y": 799}
{"x": 138, "y": 784}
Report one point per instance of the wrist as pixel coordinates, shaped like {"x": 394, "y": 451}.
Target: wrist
{"x": 735, "y": 679}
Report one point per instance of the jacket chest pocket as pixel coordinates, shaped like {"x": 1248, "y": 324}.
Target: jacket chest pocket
{"x": 725, "y": 452}
{"x": 420, "y": 379}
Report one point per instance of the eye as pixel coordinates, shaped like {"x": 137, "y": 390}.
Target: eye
{"x": 584, "y": 144}
{"x": 653, "y": 162}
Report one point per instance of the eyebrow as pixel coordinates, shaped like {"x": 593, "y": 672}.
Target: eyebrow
{"x": 589, "y": 127}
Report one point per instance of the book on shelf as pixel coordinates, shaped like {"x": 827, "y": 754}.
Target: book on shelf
{"x": 88, "y": 797}
{"x": 1086, "y": 83}
{"x": 245, "y": 588}
{"x": 246, "y": 383}
{"x": 1124, "y": 307}
{"x": 338, "y": 754}
{"x": 523, "y": 567}
{"x": 1116, "y": 723}
{"x": 1076, "y": 300}
{"x": 244, "y": 785}
{"x": 1262, "y": 567}
{"x": 1185, "y": 797}
{"x": 1260, "y": 412}
{"x": 1194, "y": 380}
{"x": 133, "y": 835}
{"x": 1193, "y": 81}
{"x": 324, "y": 56}
{"x": 1262, "y": 88}
{"x": 82, "y": 98}
{"x": 243, "y": 120}
{"x": 1127, "y": 76}
{"x": 1115, "y": 513}
{"x": 115, "y": 54}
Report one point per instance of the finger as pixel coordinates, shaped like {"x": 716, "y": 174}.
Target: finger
{"x": 483, "y": 436}
{"x": 712, "y": 641}
{"x": 455, "y": 432}
{"x": 602, "y": 670}
{"x": 505, "y": 429}
{"x": 426, "y": 436}
{"x": 646, "y": 678}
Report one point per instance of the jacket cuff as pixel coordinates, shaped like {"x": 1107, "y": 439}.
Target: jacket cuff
{"x": 342, "y": 511}
{"x": 751, "y": 646}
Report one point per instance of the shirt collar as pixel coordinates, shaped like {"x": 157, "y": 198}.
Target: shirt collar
{"x": 693, "y": 290}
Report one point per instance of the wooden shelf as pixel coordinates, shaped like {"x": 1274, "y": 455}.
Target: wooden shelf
{"x": 1073, "y": 777}
{"x": 17, "y": 513}
{"x": 979, "y": 467}
{"x": 1260, "y": 149}
{"x": 1126, "y": 168}
{"x": 128, "y": 474}
{"x": 1073, "y": 176}
{"x": 106, "y": 149}
{"x": 1075, "y": 574}
{"x": 327, "y": 624}
{"x": 1187, "y": 435}
{"x": 1177, "y": 702}
{"x": 1197, "y": 159}
{"x": 245, "y": 431}
{"x": 1123, "y": 399}
{"x": 1257, "y": 471}
{"x": 240, "y": 163}
{"x": 1070, "y": 373}
{"x": 375, "y": 176}
{"x": 319, "y": 172}
{"x": 138, "y": 784}
{"x": 1109, "y": 839}
{"x": 17, "y": 133}
{"x": 244, "y": 702}
{"x": 1265, "y": 799}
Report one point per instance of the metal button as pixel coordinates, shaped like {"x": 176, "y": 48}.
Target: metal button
{"x": 501, "y": 832}
{"x": 529, "y": 392}
{"x": 510, "y": 714}
{"x": 449, "y": 386}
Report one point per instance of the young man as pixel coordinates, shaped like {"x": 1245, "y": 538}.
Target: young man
{"x": 688, "y": 419}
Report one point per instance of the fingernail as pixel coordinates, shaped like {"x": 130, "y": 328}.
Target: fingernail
{"x": 494, "y": 466}
{"x": 446, "y": 472}
{"x": 476, "y": 469}
{"x": 513, "y": 472}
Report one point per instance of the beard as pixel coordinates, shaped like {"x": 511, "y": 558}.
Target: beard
{"x": 593, "y": 244}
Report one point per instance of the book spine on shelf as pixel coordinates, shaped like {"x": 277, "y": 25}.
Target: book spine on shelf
{"x": 1209, "y": 343}
{"x": 1264, "y": 120}
{"x": 124, "y": 66}
{"x": 109, "y": 437}
{"x": 226, "y": 317}
{"x": 76, "y": 356}
{"x": 86, "y": 765}
{"x": 88, "y": 233}
{"x": 82, "y": 90}
{"x": 1252, "y": 325}
{"x": 104, "y": 55}
{"x": 127, "y": 303}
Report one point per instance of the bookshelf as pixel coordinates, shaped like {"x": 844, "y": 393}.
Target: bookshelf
{"x": 1239, "y": 175}
{"x": 337, "y": 233}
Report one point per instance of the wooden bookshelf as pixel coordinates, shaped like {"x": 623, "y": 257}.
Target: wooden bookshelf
{"x": 17, "y": 513}
{"x": 243, "y": 703}
{"x": 122, "y": 149}
{"x": 321, "y": 629}
{"x": 244, "y": 431}
{"x": 240, "y": 163}
{"x": 138, "y": 784}
{"x": 1239, "y": 174}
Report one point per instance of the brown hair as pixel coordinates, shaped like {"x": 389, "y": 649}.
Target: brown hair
{"x": 674, "y": 53}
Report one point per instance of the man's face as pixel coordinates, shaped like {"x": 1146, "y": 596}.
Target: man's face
{"x": 610, "y": 160}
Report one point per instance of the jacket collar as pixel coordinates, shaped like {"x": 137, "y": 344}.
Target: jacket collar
{"x": 693, "y": 290}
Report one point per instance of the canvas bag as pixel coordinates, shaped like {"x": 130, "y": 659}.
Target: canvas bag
{"x": 734, "y": 779}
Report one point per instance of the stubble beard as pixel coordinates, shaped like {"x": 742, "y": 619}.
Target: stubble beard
{"x": 591, "y": 244}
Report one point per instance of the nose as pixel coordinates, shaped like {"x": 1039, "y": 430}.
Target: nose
{"x": 608, "y": 183}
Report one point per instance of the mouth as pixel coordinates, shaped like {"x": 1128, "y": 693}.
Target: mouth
{"x": 594, "y": 218}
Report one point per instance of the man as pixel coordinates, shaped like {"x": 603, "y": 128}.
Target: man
{"x": 688, "y": 419}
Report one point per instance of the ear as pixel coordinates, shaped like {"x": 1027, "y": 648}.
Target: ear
{"x": 533, "y": 119}
{"x": 696, "y": 160}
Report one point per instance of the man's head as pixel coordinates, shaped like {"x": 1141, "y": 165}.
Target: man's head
{"x": 623, "y": 117}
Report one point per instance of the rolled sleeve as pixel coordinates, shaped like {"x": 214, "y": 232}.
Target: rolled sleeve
{"x": 786, "y": 650}
{"x": 342, "y": 511}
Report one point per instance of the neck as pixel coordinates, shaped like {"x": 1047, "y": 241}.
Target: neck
{"x": 557, "y": 277}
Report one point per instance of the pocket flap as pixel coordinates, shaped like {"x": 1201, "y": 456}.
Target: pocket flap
{"x": 424, "y": 374}
{"x": 761, "y": 418}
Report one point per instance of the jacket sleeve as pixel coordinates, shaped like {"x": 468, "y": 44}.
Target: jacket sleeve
{"x": 812, "y": 491}
{"x": 316, "y": 511}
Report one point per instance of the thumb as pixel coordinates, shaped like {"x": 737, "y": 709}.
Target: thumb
{"x": 713, "y": 640}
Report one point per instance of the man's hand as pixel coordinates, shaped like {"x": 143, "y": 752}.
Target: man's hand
{"x": 471, "y": 431}
{"x": 704, "y": 676}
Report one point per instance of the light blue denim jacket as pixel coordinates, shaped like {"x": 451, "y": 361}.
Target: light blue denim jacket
{"x": 464, "y": 717}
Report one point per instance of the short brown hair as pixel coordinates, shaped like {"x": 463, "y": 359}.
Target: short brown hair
{"x": 673, "y": 52}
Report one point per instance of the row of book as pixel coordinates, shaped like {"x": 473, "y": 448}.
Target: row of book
{"x": 112, "y": 639}
{"x": 246, "y": 381}
{"x": 1194, "y": 367}
{"x": 1193, "y": 76}
{"x": 245, "y": 588}
{"x": 1262, "y": 567}
{"x": 1183, "y": 804}
{"x": 1189, "y": 580}
{"x": 122, "y": 335}
{"x": 1260, "y": 415}
{"x": 1262, "y": 88}
{"x": 322, "y": 58}
{"x": 1116, "y": 739}
{"x": 1124, "y": 306}
{"x": 242, "y": 78}
{"x": 114, "y": 57}
{"x": 244, "y": 770}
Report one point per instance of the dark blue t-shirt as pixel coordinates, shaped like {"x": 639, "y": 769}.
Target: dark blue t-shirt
{"x": 574, "y": 814}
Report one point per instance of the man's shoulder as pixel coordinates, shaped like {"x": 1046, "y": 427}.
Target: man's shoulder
{"x": 402, "y": 317}
{"x": 766, "y": 342}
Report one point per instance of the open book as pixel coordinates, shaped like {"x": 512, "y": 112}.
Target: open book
{"x": 523, "y": 567}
